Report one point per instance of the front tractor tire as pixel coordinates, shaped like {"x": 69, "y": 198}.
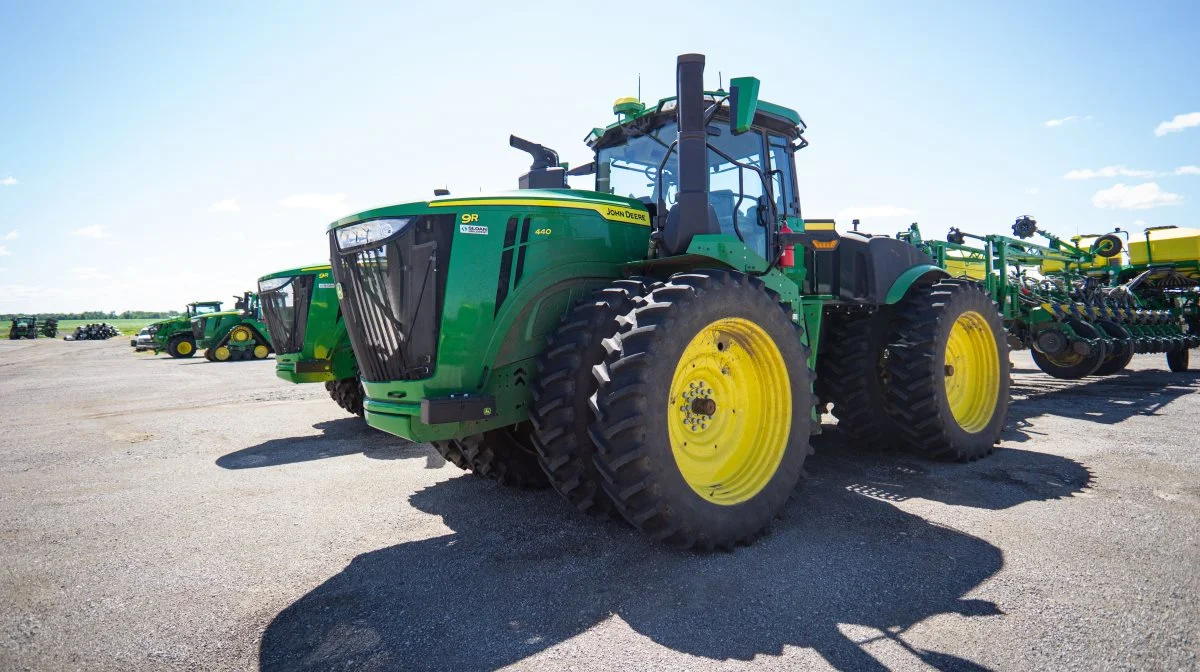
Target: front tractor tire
{"x": 948, "y": 371}
{"x": 348, "y": 393}
{"x": 504, "y": 455}
{"x": 181, "y": 346}
{"x": 561, "y": 411}
{"x": 703, "y": 411}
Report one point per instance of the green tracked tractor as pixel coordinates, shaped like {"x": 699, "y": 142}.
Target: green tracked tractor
{"x": 174, "y": 334}
{"x": 23, "y": 327}
{"x": 1075, "y": 305}
{"x": 650, "y": 348}
{"x": 300, "y": 306}
{"x": 233, "y": 335}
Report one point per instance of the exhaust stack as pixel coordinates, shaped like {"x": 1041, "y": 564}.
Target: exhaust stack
{"x": 692, "y": 214}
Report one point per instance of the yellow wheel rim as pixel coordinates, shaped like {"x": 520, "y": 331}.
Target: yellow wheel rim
{"x": 184, "y": 348}
{"x": 260, "y": 351}
{"x": 222, "y": 354}
{"x": 972, "y": 372}
{"x": 729, "y": 414}
{"x": 240, "y": 335}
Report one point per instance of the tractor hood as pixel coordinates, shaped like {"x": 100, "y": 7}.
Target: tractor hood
{"x": 520, "y": 197}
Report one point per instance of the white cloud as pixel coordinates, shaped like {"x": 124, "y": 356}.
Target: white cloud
{"x": 328, "y": 204}
{"x": 12, "y": 235}
{"x": 227, "y": 205}
{"x": 1032, "y": 191}
{"x": 1053, "y": 123}
{"x": 874, "y": 212}
{"x": 1140, "y": 223}
{"x": 4, "y": 251}
{"x": 93, "y": 231}
{"x": 9, "y": 181}
{"x": 1187, "y": 170}
{"x": 1140, "y": 197}
{"x": 1180, "y": 122}
{"x": 1107, "y": 171}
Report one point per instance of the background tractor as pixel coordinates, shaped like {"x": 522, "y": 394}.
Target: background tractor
{"x": 1079, "y": 308}
{"x": 23, "y": 327}
{"x": 174, "y": 335}
{"x": 49, "y": 327}
{"x": 300, "y": 306}
{"x": 650, "y": 348}
{"x": 233, "y": 335}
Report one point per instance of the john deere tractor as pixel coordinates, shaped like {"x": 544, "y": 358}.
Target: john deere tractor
{"x": 174, "y": 334}
{"x": 657, "y": 348}
{"x": 311, "y": 346}
{"x": 233, "y": 335}
{"x": 23, "y": 327}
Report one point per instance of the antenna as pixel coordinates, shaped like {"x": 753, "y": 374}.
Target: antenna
{"x": 639, "y": 87}
{"x": 720, "y": 81}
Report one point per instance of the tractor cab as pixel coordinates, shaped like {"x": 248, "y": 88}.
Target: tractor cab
{"x": 203, "y": 308}
{"x": 749, "y": 161}
{"x": 248, "y": 305}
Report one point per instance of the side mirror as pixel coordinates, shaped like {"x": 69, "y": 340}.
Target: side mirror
{"x": 743, "y": 102}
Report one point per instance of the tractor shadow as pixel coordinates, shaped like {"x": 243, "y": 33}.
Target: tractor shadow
{"x": 344, "y": 436}
{"x": 521, "y": 572}
{"x": 1107, "y": 400}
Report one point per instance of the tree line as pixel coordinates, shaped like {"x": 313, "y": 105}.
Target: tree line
{"x": 101, "y": 315}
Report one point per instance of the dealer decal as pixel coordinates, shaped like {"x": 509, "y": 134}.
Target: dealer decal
{"x": 473, "y": 228}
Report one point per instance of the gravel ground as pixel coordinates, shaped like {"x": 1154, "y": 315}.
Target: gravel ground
{"x": 163, "y": 514}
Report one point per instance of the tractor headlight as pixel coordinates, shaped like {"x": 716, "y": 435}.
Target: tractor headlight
{"x": 272, "y": 284}
{"x": 370, "y": 231}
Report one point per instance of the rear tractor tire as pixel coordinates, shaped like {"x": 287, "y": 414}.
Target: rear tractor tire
{"x": 348, "y": 393}
{"x": 703, "y": 411}
{"x": 504, "y": 455}
{"x": 561, "y": 411}
{"x": 181, "y": 346}
{"x": 949, "y": 372}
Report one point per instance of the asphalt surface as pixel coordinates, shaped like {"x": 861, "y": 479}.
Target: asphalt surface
{"x": 181, "y": 514}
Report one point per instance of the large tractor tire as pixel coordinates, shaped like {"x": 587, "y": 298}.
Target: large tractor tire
{"x": 703, "y": 411}
{"x": 949, "y": 372}
{"x": 1120, "y": 357}
{"x": 348, "y": 393}
{"x": 561, "y": 411}
{"x": 1070, "y": 365}
{"x": 1177, "y": 360}
{"x": 180, "y": 346}
{"x": 852, "y": 371}
{"x": 503, "y": 455}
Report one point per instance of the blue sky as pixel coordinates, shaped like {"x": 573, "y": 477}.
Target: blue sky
{"x": 155, "y": 153}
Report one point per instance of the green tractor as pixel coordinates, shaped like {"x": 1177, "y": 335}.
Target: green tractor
{"x": 658, "y": 348}
{"x": 174, "y": 334}
{"x": 23, "y": 327}
{"x": 233, "y": 335}
{"x": 311, "y": 346}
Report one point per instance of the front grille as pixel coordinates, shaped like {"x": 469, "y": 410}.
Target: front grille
{"x": 198, "y": 328}
{"x": 392, "y": 296}
{"x": 286, "y": 313}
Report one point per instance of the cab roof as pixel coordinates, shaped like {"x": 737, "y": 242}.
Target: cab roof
{"x": 308, "y": 269}
{"x": 770, "y": 116}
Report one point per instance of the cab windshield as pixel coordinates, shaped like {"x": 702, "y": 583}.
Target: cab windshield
{"x": 736, "y": 192}
{"x": 202, "y": 310}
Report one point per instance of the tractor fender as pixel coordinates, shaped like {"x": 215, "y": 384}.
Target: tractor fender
{"x": 915, "y": 275}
